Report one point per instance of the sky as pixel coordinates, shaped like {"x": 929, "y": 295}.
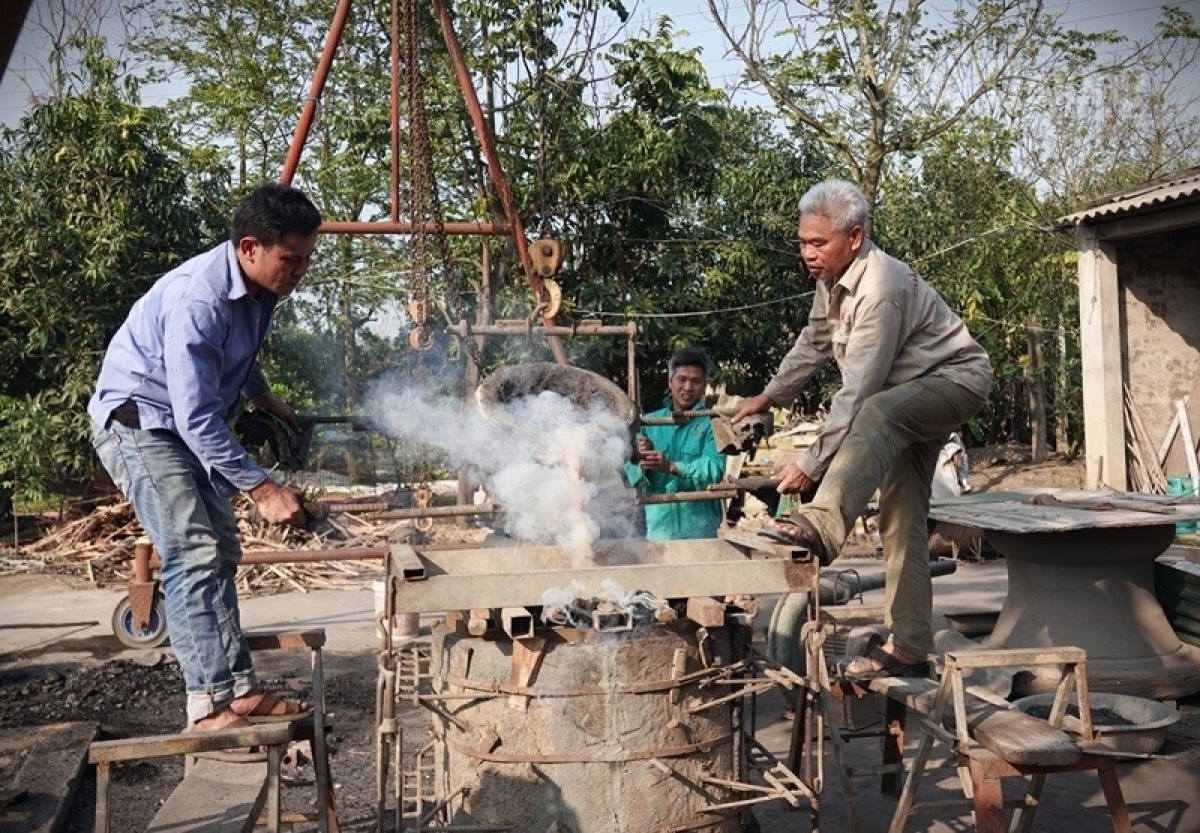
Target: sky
{"x": 1134, "y": 18}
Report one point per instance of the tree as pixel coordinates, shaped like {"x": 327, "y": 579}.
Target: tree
{"x": 98, "y": 202}
{"x": 679, "y": 210}
{"x": 974, "y": 231}
{"x": 1137, "y": 122}
{"x": 875, "y": 83}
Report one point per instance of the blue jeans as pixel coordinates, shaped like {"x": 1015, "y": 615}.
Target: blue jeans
{"x": 893, "y": 446}
{"x": 195, "y": 532}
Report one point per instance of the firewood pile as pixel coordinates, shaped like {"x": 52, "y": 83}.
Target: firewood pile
{"x": 99, "y": 546}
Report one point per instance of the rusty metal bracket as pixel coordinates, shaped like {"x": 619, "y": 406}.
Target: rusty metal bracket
{"x": 141, "y": 601}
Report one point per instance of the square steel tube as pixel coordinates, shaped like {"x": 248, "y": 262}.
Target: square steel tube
{"x": 519, "y": 576}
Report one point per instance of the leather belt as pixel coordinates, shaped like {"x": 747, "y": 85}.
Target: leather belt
{"x": 127, "y": 414}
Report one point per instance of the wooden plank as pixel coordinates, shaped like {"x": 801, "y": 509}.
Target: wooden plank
{"x": 1016, "y": 737}
{"x": 159, "y": 746}
{"x": 1100, "y": 360}
{"x": 44, "y": 787}
{"x": 215, "y": 797}
{"x": 1175, "y": 463}
{"x": 1016, "y": 513}
{"x": 1022, "y": 739}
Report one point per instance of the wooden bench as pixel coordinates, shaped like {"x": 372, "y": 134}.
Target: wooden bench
{"x": 988, "y": 740}
{"x": 219, "y": 796}
{"x": 213, "y": 796}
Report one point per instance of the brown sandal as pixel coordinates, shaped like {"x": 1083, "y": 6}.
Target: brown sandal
{"x": 267, "y": 707}
{"x": 226, "y": 718}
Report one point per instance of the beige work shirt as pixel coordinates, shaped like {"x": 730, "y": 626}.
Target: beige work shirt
{"x": 884, "y": 326}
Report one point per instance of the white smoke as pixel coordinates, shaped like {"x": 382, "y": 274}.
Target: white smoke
{"x": 554, "y": 466}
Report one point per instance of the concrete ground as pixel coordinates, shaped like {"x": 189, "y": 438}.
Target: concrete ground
{"x": 45, "y": 617}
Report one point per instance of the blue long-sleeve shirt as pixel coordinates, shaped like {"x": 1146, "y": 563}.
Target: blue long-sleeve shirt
{"x": 691, "y": 448}
{"x": 185, "y": 354}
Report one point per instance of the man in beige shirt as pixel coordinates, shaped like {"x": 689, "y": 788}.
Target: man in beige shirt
{"x": 911, "y": 374}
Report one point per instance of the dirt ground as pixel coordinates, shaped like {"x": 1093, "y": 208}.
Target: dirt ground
{"x": 128, "y": 698}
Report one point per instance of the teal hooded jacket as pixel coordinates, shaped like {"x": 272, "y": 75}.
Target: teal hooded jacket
{"x": 691, "y": 448}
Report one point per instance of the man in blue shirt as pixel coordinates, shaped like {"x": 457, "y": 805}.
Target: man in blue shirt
{"x": 681, "y": 457}
{"x": 171, "y": 376}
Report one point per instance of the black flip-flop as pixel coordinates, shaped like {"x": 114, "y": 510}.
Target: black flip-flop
{"x": 891, "y": 666}
{"x": 801, "y": 534}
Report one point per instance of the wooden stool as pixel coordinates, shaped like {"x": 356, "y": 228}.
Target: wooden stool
{"x": 993, "y": 743}
{"x": 220, "y": 796}
{"x": 312, "y": 728}
{"x": 208, "y": 798}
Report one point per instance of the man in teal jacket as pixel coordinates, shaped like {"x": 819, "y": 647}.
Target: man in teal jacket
{"x": 681, "y": 457}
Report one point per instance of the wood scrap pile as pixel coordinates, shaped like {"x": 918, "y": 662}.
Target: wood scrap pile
{"x": 1149, "y": 465}
{"x": 100, "y": 545}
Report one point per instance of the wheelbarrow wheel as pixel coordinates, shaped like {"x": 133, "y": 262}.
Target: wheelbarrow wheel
{"x": 132, "y": 635}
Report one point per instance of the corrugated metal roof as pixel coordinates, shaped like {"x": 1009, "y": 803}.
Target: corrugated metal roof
{"x": 1184, "y": 185}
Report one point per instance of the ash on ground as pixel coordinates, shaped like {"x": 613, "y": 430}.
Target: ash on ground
{"x": 144, "y": 696}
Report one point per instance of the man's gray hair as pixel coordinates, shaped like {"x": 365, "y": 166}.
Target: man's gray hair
{"x": 839, "y": 201}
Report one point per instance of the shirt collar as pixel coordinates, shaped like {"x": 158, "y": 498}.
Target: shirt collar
{"x": 237, "y": 282}
{"x": 848, "y": 282}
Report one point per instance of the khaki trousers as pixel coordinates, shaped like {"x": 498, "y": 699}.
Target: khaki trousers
{"x": 892, "y": 446}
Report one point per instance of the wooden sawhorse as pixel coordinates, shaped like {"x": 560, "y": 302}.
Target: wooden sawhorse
{"x": 990, "y": 743}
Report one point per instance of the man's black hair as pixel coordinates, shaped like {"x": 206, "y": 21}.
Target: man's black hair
{"x": 690, "y": 357}
{"x": 273, "y": 211}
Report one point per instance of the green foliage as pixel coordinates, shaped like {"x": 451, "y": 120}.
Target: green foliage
{"x": 95, "y": 193}
{"x": 979, "y": 235}
{"x": 677, "y": 207}
{"x": 874, "y": 82}
{"x": 679, "y": 213}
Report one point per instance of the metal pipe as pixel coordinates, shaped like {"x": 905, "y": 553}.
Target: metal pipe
{"x": 835, "y": 588}
{"x": 408, "y": 227}
{"x": 631, "y": 363}
{"x": 488, "y": 144}
{"x": 520, "y": 328}
{"x": 394, "y": 110}
{"x": 439, "y": 512}
{"x": 685, "y": 497}
{"x": 414, "y": 513}
{"x": 141, "y": 562}
{"x": 314, "y": 93}
{"x": 677, "y": 417}
{"x": 311, "y": 556}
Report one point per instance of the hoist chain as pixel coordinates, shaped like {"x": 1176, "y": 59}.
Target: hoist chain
{"x": 428, "y": 201}
{"x": 543, "y": 139}
{"x": 425, "y": 205}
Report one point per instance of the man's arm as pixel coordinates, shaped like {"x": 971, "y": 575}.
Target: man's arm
{"x": 194, "y": 334}
{"x": 192, "y": 352}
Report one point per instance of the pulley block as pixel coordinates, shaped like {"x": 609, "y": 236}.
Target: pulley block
{"x": 547, "y": 256}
